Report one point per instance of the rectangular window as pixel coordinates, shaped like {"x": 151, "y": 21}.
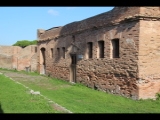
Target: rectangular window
{"x": 101, "y": 49}
{"x": 115, "y": 48}
{"x": 58, "y": 52}
{"x": 90, "y": 49}
{"x": 63, "y": 49}
{"x": 35, "y": 49}
{"x": 51, "y": 53}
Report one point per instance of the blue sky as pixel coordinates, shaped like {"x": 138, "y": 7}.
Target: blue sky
{"x": 21, "y": 23}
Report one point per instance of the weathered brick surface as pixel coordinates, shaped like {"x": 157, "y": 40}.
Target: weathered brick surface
{"x": 5, "y": 61}
{"x": 149, "y": 56}
{"x": 135, "y": 74}
{"x": 115, "y": 75}
{"x": 7, "y": 58}
{"x": 14, "y": 57}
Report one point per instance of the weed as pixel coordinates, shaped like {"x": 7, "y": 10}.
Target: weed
{"x": 157, "y": 96}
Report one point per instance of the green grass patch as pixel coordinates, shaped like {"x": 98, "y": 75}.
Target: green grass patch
{"x": 81, "y": 99}
{"x": 22, "y": 71}
{"x": 14, "y": 98}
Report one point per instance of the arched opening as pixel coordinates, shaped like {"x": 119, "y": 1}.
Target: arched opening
{"x": 42, "y": 61}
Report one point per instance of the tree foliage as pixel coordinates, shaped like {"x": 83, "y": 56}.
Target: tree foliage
{"x": 25, "y": 43}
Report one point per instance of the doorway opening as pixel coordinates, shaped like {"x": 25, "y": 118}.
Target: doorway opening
{"x": 42, "y": 61}
{"x": 73, "y": 68}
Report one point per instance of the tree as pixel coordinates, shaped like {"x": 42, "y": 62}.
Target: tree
{"x": 25, "y": 43}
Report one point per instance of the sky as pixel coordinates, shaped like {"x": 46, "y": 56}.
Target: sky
{"x": 21, "y": 23}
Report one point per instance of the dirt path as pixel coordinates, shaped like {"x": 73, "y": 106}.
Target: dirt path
{"x": 42, "y": 81}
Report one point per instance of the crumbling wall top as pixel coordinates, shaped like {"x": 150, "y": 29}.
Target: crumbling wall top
{"x": 116, "y": 15}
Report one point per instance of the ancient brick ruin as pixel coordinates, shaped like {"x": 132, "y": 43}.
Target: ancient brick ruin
{"x": 116, "y": 51}
{"x": 15, "y": 57}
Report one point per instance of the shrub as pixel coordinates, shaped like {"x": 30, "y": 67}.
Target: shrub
{"x": 25, "y": 43}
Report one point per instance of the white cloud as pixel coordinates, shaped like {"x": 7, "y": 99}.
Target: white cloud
{"x": 53, "y": 12}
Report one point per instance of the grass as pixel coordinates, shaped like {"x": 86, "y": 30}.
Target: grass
{"x": 22, "y": 71}
{"x": 14, "y": 99}
{"x": 77, "y": 98}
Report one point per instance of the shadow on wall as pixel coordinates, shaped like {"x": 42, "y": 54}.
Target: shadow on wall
{"x": 1, "y": 110}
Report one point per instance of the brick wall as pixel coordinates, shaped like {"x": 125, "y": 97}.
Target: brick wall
{"x": 134, "y": 74}
{"x": 149, "y": 54}
{"x": 14, "y": 57}
{"x": 115, "y": 75}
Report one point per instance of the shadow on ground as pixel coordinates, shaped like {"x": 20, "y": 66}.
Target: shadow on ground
{"x": 1, "y": 110}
